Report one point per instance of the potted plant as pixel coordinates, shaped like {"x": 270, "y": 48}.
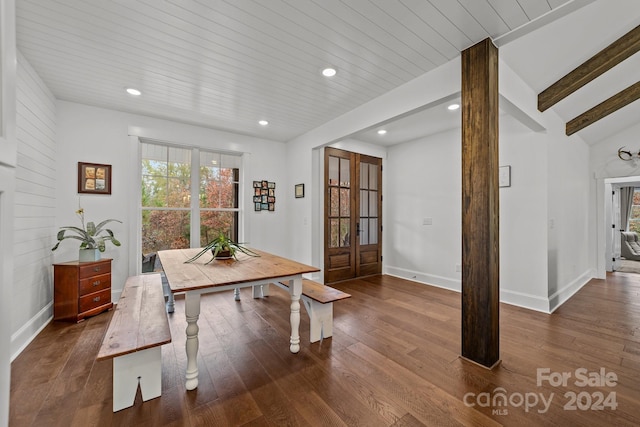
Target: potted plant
{"x": 92, "y": 238}
{"x": 222, "y": 247}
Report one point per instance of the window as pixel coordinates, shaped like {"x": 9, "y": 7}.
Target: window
{"x": 634, "y": 217}
{"x": 186, "y": 192}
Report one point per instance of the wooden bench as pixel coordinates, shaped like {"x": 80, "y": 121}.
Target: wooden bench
{"x": 138, "y": 328}
{"x": 318, "y": 299}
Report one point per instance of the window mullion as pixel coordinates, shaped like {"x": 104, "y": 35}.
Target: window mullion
{"x": 195, "y": 198}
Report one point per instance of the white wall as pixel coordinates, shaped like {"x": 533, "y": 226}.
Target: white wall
{"x": 34, "y": 209}
{"x": 424, "y": 181}
{"x": 7, "y": 189}
{"x": 97, "y": 135}
{"x": 571, "y": 263}
{"x": 523, "y": 217}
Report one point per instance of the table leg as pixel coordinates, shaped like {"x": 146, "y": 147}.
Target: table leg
{"x": 192, "y": 312}
{"x": 295, "y": 289}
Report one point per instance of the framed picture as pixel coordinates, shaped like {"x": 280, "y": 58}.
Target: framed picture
{"x": 299, "y": 191}
{"x": 94, "y": 178}
{"x": 264, "y": 195}
{"x": 504, "y": 176}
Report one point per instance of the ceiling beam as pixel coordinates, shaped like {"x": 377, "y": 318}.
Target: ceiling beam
{"x": 597, "y": 65}
{"x": 617, "y": 101}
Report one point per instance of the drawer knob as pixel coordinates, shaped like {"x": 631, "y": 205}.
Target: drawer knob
{"x": 96, "y": 283}
{"x": 97, "y": 268}
{"x": 96, "y": 299}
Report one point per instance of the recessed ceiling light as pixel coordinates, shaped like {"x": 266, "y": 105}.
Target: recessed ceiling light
{"x": 329, "y": 72}
{"x": 263, "y": 122}
{"x": 382, "y": 131}
{"x": 134, "y": 92}
{"x": 453, "y": 107}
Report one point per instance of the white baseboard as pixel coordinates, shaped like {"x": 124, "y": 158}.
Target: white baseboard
{"x": 562, "y": 295}
{"x": 528, "y": 301}
{"x": 520, "y": 299}
{"x": 425, "y": 278}
{"x": 23, "y": 336}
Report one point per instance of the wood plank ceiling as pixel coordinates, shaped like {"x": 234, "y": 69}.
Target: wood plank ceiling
{"x": 228, "y": 64}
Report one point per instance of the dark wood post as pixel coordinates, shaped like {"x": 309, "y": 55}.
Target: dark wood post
{"x": 480, "y": 208}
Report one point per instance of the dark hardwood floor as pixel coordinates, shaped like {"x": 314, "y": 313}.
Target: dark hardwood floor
{"x": 393, "y": 361}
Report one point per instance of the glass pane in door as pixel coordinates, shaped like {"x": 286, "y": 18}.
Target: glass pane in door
{"x": 334, "y": 202}
{"x": 345, "y": 174}
{"x": 373, "y": 177}
{"x": 364, "y": 203}
{"x": 373, "y": 231}
{"x": 334, "y": 233}
{"x": 334, "y": 172}
{"x": 345, "y": 202}
{"x": 373, "y": 204}
{"x": 364, "y": 176}
{"x": 345, "y": 232}
{"x": 364, "y": 231}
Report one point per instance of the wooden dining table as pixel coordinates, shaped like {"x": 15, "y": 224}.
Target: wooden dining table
{"x": 199, "y": 277}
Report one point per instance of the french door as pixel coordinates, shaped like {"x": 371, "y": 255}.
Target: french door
{"x": 615, "y": 230}
{"x": 353, "y": 215}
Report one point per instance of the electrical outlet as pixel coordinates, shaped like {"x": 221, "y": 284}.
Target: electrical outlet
{"x": 427, "y": 221}
{"x": 458, "y": 268}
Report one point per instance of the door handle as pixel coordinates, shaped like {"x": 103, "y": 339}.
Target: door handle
{"x": 358, "y": 229}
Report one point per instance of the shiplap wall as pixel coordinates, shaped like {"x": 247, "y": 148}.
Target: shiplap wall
{"x": 35, "y": 196}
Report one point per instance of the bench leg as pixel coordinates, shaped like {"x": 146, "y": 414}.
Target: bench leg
{"x": 260, "y": 291}
{"x": 320, "y": 319}
{"x": 142, "y": 367}
{"x": 170, "y": 304}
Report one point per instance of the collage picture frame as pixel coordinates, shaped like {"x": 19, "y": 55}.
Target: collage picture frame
{"x": 264, "y": 196}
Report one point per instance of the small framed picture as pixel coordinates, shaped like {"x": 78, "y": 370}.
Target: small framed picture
{"x": 299, "y": 191}
{"x": 94, "y": 178}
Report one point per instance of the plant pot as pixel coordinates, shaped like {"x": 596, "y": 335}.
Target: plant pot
{"x": 223, "y": 254}
{"x": 89, "y": 255}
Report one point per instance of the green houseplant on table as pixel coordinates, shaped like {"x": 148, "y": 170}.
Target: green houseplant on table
{"x": 93, "y": 238}
{"x": 222, "y": 247}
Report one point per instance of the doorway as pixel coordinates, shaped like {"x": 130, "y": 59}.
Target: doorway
{"x": 352, "y": 215}
{"x": 613, "y": 227}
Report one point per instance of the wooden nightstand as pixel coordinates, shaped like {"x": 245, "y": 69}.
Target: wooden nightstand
{"x": 81, "y": 289}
